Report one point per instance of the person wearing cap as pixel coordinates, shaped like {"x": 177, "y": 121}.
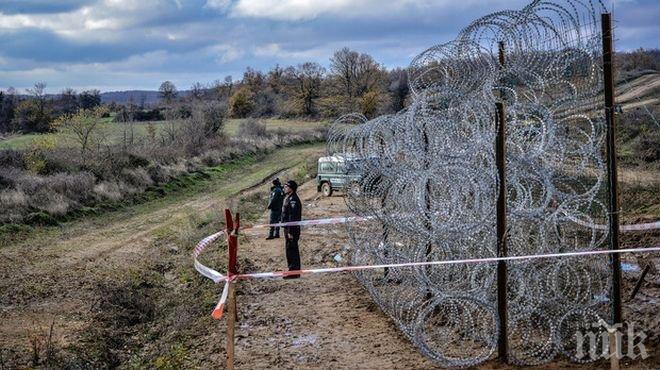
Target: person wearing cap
{"x": 292, "y": 211}
{"x": 275, "y": 206}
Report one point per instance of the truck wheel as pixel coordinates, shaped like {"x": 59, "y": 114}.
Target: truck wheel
{"x": 326, "y": 189}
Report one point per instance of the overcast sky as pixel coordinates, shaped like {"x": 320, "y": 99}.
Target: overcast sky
{"x": 137, "y": 44}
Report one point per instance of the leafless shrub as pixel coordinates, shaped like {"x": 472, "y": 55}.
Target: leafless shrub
{"x": 108, "y": 191}
{"x": 212, "y": 114}
{"x": 50, "y": 202}
{"x": 159, "y": 173}
{"x": 113, "y": 174}
{"x": 137, "y": 177}
{"x": 8, "y": 176}
{"x": 252, "y": 128}
{"x": 212, "y": 158}
{"x": 11, "y": 158}
{"x": 77, "y": 187}
{"x": 13, "y": 204}
{"x": 43, "y": 348}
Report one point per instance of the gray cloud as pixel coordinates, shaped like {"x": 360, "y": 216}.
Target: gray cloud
{"x": 119, "y": 44}
{"x": 40, "y": 6}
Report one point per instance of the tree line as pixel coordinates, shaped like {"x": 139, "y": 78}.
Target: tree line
{"x": 36, "y": 111}
{"x": 353, "y": 82}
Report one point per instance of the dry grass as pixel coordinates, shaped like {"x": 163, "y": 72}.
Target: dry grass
{"x": 112, "y": 175}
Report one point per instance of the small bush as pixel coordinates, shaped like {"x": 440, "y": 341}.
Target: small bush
{"x": 50, "y": 202}
{"x": 77, "y": 187}
{"x": 211, "y": 158}
{"x": 40, "y": 219}
{"x": 137, "y": 177}
{"x": 252, "y": 128}
{"x": 35, "y": 162}
{"x": 135, "y": 161}
{"x": 11, "y": 158}
{"x": 108, "y": 191}
{"x": 60, "y": 160}
{"x": 159, "y": 174}
{"x": 647, "y": 147}
{"x": 8, "y": 176}
{"x": 13, "y": 204}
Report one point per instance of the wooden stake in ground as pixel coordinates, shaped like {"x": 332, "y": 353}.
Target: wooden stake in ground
{"x": 500, "y": 159}
{"x": 232, "y": 312}
{"x": 231, "y": 324}
{"x": 612, "y": 178}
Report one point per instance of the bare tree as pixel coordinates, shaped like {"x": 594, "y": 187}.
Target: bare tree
{"x": 167, "y": 91}
{"x": 355, "y": 74}
{"x": 275, "y": 79}
{"x": 39, "y": 95}
{"x": 223, "y": 89}
{"x": 343, "y": 66}
{"x": 253, "y": 79}
{"x": 229, "y": 84}
{"x": 68, "y": 102}
{"x": 307, "y": 88}
{"x": 197, "y": 90}
{"x": 84, "y": 128}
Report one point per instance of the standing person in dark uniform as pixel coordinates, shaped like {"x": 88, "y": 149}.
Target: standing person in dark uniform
{"x": 292, "y": 211}
{"x": 275, "y": 207}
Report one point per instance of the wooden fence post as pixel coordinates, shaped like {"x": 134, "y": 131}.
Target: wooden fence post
{"x": 232, "y": 313}
{"x": 612, "y": 180}
{"x": 500, "y": 160}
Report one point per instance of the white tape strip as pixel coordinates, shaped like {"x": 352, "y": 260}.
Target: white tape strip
{"x": 622, "y": 228}
{"x": 341, "y": 220}
{"x": 638, "y": 227}
{"x": 273, "y": 274}
{"x": 323, "y": 221}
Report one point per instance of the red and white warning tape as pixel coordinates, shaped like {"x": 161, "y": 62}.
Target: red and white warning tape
{"x": 199, "y": 248}
{"x": 217, "y": 277}
{"x": 218, "y": 310}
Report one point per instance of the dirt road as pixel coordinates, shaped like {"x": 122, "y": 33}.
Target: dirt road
{"x": 313, "y": 322}
{"x": 120, "y": 290}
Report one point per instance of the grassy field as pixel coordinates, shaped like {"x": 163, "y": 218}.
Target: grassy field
{"x": 114, "y": 131}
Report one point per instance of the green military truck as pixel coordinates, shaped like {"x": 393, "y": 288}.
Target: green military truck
{"x": 337, "y": 172}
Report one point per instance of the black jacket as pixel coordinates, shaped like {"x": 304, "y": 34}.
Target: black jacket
{"x": 276, "y": 199}
{"x": 292, "y": 211}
